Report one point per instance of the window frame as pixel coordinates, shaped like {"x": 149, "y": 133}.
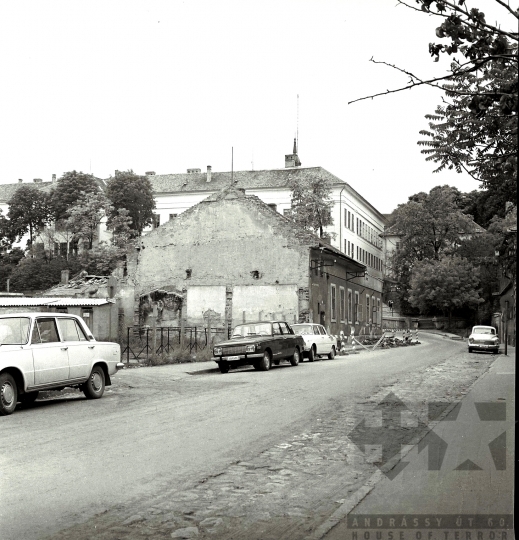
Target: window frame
{"x": 333, "y": 302}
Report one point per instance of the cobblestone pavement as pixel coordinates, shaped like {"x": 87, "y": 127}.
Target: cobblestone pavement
{"x": 287, "y": 491}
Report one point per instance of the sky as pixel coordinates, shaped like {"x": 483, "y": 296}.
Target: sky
{"x": 164, "y": 86}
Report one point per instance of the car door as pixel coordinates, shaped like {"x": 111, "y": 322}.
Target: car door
{"x": 327, "y": 340}
{"x": 278, "y": 342}
{"x": 80, "y": 350}
{"x": 318, "y": 339}
{"x": 288, "y": 338}
{"x": 50, "y": 356}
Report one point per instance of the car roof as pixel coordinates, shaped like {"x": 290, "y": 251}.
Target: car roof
{"x": 36, "y": 314}
{"x": 483, "y": 326}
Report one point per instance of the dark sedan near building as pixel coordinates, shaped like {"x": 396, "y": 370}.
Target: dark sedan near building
{"x": 259, "y": 344}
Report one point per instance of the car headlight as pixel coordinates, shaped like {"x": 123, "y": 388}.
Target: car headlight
{"x": 250, "y": 348}
{"x": 217, "y": 351}
{"x": 495, "y": 339}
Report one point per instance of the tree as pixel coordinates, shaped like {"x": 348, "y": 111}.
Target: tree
{"x": 123, "y": 236}
{"x": 86, "y": 215}
{"x": 134, "y": 193}
{"x": 311, "y": 204}
{"x": 29, "y": 212}
{"x": 475, "y": 129}
{"x": 6, "y": 234}
{"x": 68, "y": 190}
{"x": 8, "y": 262}
{"x": 37, "y": 274}
{"x": 445, "y": 285}
{"x": 431, "y": 223}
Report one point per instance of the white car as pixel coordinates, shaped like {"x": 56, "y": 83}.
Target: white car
{"x": 483, "y": 338}
{"x": 50, "y": 351}
{"x": 317, "y": 340}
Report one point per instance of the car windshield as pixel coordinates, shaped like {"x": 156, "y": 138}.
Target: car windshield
{"x": 14, "y": 331}
{"x": 302, "y": 329}
{"x": 255, "y": 329}
{"x": 483, "y": 331}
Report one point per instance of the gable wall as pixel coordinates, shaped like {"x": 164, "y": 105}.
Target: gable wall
{"x": 224, "y": 243}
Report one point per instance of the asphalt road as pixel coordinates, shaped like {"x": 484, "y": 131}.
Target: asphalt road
{"x": 65, "y": 460}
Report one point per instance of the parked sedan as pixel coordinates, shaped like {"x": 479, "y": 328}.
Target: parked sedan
{"x": 51, "y": 351}
{"x": 483, "y": 338}
{"x": 317, "y": 340}
{"x": 259, "y": 344}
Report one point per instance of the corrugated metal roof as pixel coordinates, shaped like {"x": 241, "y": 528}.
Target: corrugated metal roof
{"x": 54, "y": 302}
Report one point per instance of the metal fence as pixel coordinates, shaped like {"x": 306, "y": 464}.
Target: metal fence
{"x": 141, "y": 343}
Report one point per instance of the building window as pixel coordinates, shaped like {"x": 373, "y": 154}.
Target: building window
{"x": 379, "y": 314}
{"x": 368, "y": 311}
{"x": 156, "y": 221}
{"x": 273, "y": 206}
{"x": 287, "y": 212}
{"x": 357, "y": 308}
{"x": 350, "y": 306}
{"x": 333, "y": 302}
{"x": 346, "y": 246}
{"x": 342, "y": 306}
{"x": 172, "y": 216}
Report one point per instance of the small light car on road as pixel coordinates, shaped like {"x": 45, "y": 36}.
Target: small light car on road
{"x": 51, "y": 351}
{"x": 259, "y": 344}
{"x": 317, "y": 340}
{"x": 483, "y": 338}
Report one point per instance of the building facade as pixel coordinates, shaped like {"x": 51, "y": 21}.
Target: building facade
{"x": 234, "y": 258}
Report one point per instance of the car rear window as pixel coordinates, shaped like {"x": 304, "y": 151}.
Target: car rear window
{"x": 70, "y": 330}
{"x": 484, "y": 331}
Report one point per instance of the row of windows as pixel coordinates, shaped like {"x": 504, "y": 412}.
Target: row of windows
{"x": 351, "y": 308}
{"x": 362, "y": 255}
{"x": 368, "y": 233}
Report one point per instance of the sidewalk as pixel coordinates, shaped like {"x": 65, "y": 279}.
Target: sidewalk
{"x": 461, "y": 473}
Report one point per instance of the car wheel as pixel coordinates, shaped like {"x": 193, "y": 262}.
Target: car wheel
{"x": 331, "y": 355}
{"x": 8, "y": 394}
{"x": 295, "y": 357}
{"x": 224, "y": 367}
{"x": 95, "y": 386}
{"x": 266, "y": 362}
{"x": 311, "y": 354}
{"x": 29, "y": 397}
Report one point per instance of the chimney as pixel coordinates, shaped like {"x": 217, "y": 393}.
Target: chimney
{"x": 209, "y": 169}
{"x": 37, "y": 180}
{"x": 53, "y": 178}
{"x": 20, "y": 180}
{"x": 64, "y": 277}
{"x": 150, "y": 173}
